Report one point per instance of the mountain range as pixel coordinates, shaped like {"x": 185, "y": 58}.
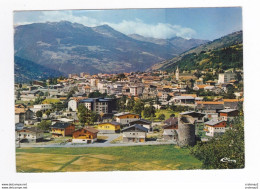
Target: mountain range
{"x": 223, "y": 53}
{"x": 65, "y": 47}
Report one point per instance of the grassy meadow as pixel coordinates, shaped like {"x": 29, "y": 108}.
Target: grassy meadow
{"x": 127, "y": 158}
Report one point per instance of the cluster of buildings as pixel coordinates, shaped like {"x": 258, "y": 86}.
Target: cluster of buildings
{"x": 169, "y": 89}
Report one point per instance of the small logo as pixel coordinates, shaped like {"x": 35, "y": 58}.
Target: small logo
{"x": 225, "y": 159}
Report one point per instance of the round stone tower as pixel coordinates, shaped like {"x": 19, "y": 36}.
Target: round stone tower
{"x": 186, "y": 131}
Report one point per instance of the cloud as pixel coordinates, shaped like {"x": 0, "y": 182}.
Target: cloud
{"x": 56, "y": 16}
{"x": 137, "y": 26}
{"x": 159, "y": 30}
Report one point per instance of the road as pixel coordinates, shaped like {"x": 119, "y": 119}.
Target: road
{"x": 95, "y": 144}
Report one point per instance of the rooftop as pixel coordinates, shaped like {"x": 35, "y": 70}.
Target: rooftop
{"x": 136, "y": 126}
{"x": 91, "y": 129}
{"x": 213, "y": 122}
{"x": 227, "y": 110}
{"x": 61, "y": 125}
{"x": 124, "y": 113}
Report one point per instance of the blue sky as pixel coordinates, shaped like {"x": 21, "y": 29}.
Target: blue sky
{"x": 200, "y": 23}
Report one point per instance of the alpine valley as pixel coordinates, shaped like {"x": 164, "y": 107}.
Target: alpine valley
{"x": 58, "y": 48}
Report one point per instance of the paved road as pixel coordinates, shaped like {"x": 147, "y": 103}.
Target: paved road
{"x": 70, "y": 145}
{"x": 104, "y": 144}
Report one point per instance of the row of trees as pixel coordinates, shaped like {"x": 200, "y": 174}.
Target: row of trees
{"x": 145, "y": 106}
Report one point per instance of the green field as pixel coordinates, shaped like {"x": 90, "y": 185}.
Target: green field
{"x": 130, "y": 158}
{"x": 167, "y": 113}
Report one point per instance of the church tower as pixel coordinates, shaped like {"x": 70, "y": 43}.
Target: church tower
{"x": 177, "y": 74}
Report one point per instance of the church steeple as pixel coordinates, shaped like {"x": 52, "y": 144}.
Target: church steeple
{"x": 177, "y": 73}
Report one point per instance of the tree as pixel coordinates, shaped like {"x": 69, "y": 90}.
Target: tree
{"x": 96, "y": 94}
{"x": 48, "y": 112}
{"x": 101, "y": 116}
{"x": 121, "y": 103}
{"x": 192, "y": 81}
{"x": 41, "y": 93}
{"x": 208, "y": 77}
{"x": 157, "y": 101}
{"x": 238, "y": 77}
{"x": 39, "y": 114}
{"x": 18, "y": 96}
{"x": 38, "y": 100}
{"x": 138, "y": 107}
{"x": 161, "y": 117}
{"x": 198, "y": 74}
{"x": 130, "y": 104}
{"x": 82, "y": 114}
{"x": 70, "y": 94}
{"x": 146, "y": 112}
{"x": 94, "y": 117}
{"x": 172, "y": 115}
{"x": 44, "y": 125}
{"x": 229, "y": 145}
{"x": 121, "y": 76}
{"x": 168, "y": 97}
{"x": 149, "y": 111}
{"x": 230, "y": 92}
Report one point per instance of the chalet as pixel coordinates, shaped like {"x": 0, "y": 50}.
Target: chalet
{"x": 216, "y": 90}
{"x": 23, "y": 114}
{"x": 212, "y": 116}
{"x": 210, "y": 82}
{"x": 134, "y": 133}
{"x": 62, "y": 129}
{"x": 163, "y": 96}
{"x": 110, "y": 127}
{"x": 228, "y": 114}
{"x": 170, "y": 129}
{"x": 232, "y": 103}
{"x": 126, "y": 117}
{"x": 29, "y": 134}
{"x": 183, "y": 100}
{"x": 198, "y": 87}
{"x": 79, "y": 94}
{"x": 143, "y": 122}
{"x": 192, "y": 95}
{"x": 215, "y": 128}
{"x": 85, "y": 135}
{"x": 209, "y": 106}
{"x": 41, "y": 107}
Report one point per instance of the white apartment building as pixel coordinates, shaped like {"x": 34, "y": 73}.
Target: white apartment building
{"x": 136, "y": 90}
{"x": 41, "y": 107}
{"x": 226, "y": 77}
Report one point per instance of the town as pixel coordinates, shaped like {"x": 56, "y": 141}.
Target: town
{"x": 137, "y": 108}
